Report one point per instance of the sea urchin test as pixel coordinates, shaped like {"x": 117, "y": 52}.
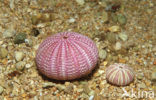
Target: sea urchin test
{"x": 66, "y": 56}
{"x": 119, "y": 74}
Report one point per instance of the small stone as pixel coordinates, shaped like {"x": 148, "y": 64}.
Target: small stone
{"x": 91, "y": 97}
{"x": 154, "y": 62}
{"x": 92, "y": 92}
{"x": 1, "y": 89}
{"x": 83, "y": 96}
{"x": 36, "y": 46}
{"x": 32, "y": 93}
{"x": 102, "y": 54}
{"x": 103, "y": 3}
{"x": 142, "y": 85}
{"x": 47, "y": 17}
{"x": 122, "y": 19}
{"x": 86, "y": 88}
{"x": 104, "y": 16}
{"x": 80, "y": 2}
{"x": 35, "y": 32}
{"x": 12, "y": 4}
{"x": 35, "y": 18}
{"x": 61, "y": 87}
{"x": 117, "y": 46}
{"x": 34, "y": 74}
{"x": 114, "y": 17}
{"x": 48, "y": 84}
{"x": 71, "y": 20}
{"x": 111, "y": 37}
{"x": 140, "y": 76}
{"x": 29, "y": 65}
{"x": 20, "y": 38}
{"x": 20, "y": 65}
{"x": 19, "y": 55}
{"x": 101, "y": 72}
{"x": 96, "y": 74}
{"x": 83, "y": 82}
{"x": 79, "y": 90}
{"x": 9, "y": 33}
{"x": 69, "y": 89}
{"x": 3, "y": 53}
{"x": 123, "y": 36}
{"x": 114, "y": 29}
{"x": 28, "y": 42}
{"x": 153, "y": 77}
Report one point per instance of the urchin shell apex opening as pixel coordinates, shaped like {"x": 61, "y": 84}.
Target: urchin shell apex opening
{"x": 66, "y": 56}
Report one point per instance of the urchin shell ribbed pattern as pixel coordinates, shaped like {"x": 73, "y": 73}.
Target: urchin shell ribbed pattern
{"x": 66, "y": 56}
{"x": 119, "y": 74}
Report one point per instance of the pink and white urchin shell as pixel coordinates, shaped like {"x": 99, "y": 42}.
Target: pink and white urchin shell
{"x": 119, "y": 74}
{"x": 66, "y": 56}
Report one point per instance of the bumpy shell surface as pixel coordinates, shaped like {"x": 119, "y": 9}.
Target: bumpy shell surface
{"x": 119, "y": 74}
{"x": 66, "y": 56}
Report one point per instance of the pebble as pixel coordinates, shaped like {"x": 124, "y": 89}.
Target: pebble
{"x": 47, "y": 17}
{"x": 35, "y": 19}
{"x": 36, "y": 46}
{"x": 114, "y": 29}
{"x": 69, "y": 89}
{"x": 114, "y": 17}
{"x": 1, "y": 89}
{"x": 29, "y": 65}
{"x": 123, "y": 36}
{"x": 79, "y": 90}
{"x": 48, "y": 84}
{"x": 71, "y": 20}
{"x": 80, "y": 2}
{"x": 83, "y": 96}
{"x": 142, "y": 85}
{"x": 35, "y": 32}
{"x": 102, "y": 54}
{"x": 28, "y": 42}
{"x": 111, "y": 37}
{"x": 103, "y": 3}
{"x": 19, "y": 55}
{"x": 9, "y": 33}
{"x": 153, "y": 77}
{"x": 91, "y": 97}
{"x": 122, "y": 19}
{"x": 20, "y": 38}
{"x": 117, "y": 46}
{"x": 101, "y": 72}
{"x": 61, "y": 87}
{"x": 92, "y": 92}
{"x": 140, "y": 76}
{"x": 83, "y": 82}
{"x": 12, "y": 4}
{"x": 3, "y": 52}
{"x": 42, "y": 17}
{"x": 86, "y": 88}
{"x": 34, "y": 74}
{"x": 20, "y": 65}
{"x": 104, "y": 16}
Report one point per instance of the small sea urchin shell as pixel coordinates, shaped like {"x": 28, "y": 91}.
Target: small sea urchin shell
{"x": 66, "y": 56}
{"x": 119, "y": 74}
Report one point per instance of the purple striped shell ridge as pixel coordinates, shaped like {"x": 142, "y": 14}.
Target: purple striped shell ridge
{"x": 119, "y": 74}
{"x": 66, "y": 56}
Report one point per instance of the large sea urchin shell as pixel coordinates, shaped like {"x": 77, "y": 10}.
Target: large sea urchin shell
{"x": 119, "y": 74}
{"x": 66, "y": 56}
